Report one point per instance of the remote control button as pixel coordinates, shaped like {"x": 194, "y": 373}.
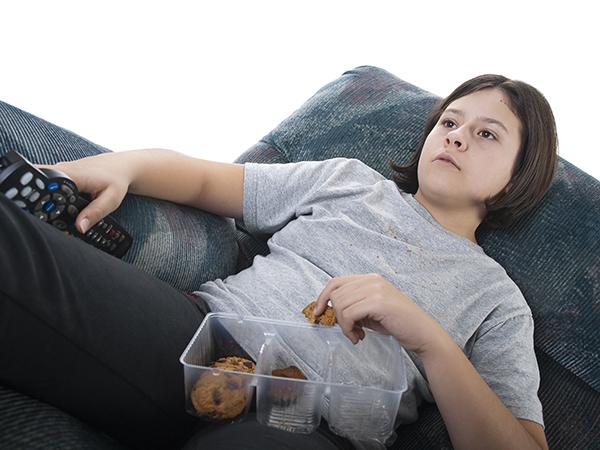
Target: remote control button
{"x": 52, "y": 186}
{"x": 72, "y": 210}
{"x": 40, "y": 184}
{"x": 11, "y": 193}
{"x": 59, "y": 198}
{"x": 112, "y": 247}
{"x": 48, "y": 206}
{"x": 66, "y": 189}
{"x": 72, "y": 199}
{"x": 121, "y": 238}
{"x": 20, "y": 204}
{"x": 60, "y": 225}
{"x": 26, "y": 191}
{"x": 54, "y": 214}
{"x": 41, "y": 203}
{"x": 26, "y": 178}
{"x": 34, "y": 196}
{"x": 42, "y": 216}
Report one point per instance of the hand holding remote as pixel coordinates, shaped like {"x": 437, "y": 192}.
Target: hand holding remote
{"x": 104, "y": 178}
{"x": 52, "y": 195}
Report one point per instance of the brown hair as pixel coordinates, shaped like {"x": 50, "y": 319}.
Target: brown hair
{"x": 537, "y": 158}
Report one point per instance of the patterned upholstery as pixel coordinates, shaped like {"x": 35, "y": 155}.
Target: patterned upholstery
{"x": 26, "y": 423}
{"x": 553, "y": 254}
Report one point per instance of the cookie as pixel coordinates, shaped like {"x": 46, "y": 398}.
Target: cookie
{"x": 326, "y": 318}
{"x": 285, "y": 393}
{"x": 235, "y": 363}
{"x": 220, "y": 397}
{"x": 288, "y": 372}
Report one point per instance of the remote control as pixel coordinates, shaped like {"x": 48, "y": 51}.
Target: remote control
{"x": 53, "y": 197}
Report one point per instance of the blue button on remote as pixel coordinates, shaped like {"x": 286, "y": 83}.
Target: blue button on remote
{"x": 48, "y": 206}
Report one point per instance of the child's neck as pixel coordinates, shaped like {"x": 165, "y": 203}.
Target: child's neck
{"x": 462, "y": 222}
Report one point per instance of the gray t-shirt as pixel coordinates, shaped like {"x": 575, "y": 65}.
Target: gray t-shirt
{"x": 340, "y": 217}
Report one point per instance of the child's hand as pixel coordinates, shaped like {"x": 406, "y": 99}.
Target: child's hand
{"x": 373, "y": 302}
{"x": 105, "y": 177}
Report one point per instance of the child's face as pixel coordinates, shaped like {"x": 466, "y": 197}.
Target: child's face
{"x": 482, "y": 135}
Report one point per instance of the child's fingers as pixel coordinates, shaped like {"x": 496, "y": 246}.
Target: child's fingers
{"x": 359, "y": 333}
{"x": 324, "y": 296}
{"x": 331, "y": 286}
{"x": 105, "y": 203}
{"x": 353, "y": 335}
{"x": 365, "y": 314}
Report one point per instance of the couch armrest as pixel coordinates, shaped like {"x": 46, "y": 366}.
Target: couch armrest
{"x": 180, "y": 245}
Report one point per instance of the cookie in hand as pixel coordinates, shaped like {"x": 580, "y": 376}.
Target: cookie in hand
{"x": 327, "y": 318}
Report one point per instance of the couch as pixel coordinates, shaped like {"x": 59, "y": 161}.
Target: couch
{"x": 553, "y": 254}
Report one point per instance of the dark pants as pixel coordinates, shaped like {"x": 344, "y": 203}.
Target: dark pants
{"x": 91, "y": 334}
{"x": 101, "y": 340}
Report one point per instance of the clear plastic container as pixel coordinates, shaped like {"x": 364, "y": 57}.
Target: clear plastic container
{"x": 357, "y": 388}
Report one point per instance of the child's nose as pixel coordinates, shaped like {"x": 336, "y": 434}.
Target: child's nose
{"x": 456, "y": 141}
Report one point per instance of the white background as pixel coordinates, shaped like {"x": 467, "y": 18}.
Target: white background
{"x": 211, "y": 78}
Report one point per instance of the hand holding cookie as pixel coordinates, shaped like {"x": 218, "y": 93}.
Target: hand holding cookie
{"x": 371, "y": 301}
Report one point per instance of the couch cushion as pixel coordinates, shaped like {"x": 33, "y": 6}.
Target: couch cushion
{"x": 29, "y": 424}
{"x": 554, "y": 257}
{"x": 571, "y": 407}
{"x": 553, "y": 254}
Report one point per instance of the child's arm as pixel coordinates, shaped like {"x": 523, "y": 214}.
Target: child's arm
{"x": 474, "y": 415}
{"x": 212, "y": 186}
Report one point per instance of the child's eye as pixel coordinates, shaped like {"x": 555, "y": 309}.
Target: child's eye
{"x": 448, "y": 123}
{"x": 487, "y": 134}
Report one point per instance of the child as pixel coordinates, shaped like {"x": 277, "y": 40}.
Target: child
{"x": 401, "y": 258}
